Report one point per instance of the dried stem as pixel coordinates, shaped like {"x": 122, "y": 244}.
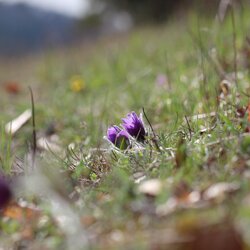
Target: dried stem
{"x": 33, "y": 126}
{"x": 189, "y": 128}
{"x": 154, "y": 138}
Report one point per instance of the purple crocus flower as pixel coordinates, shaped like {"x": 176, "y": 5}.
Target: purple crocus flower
{"x": 134, "y": 126}
{"x": 161, "y": 80}
{"x": 5, "y": 193}
{"x": 118, "y": 137}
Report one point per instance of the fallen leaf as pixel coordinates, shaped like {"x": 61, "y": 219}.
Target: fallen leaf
{"x": 27, "y": 216}
{"x": 20, "y": 213}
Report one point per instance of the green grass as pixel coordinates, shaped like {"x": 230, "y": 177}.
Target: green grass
{"x": 5, "y": 152}
{"x": 96, "y": 194}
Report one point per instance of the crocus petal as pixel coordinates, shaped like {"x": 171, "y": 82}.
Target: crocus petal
{"x": 118, "y": 137}
{"x": 112, "y": 133}
{"x": 122, "y": 140}
{"x": 134, "y": 126}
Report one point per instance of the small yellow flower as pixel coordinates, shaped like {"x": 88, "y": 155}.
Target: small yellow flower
{"x": 77, "y": 83}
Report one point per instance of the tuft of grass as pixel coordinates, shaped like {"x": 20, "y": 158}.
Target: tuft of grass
{"x": 6, "y": 159}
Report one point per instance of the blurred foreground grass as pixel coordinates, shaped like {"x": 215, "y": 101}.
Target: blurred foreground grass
{"x": 87, "y": 198}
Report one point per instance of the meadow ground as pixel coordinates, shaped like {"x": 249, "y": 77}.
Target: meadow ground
{"x": 186, "y": 186}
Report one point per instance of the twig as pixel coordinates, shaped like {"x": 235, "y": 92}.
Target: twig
{"x": 154, "y": 138}
{"x": 189, "y": 128}
{"x": 33, "y": 127}
{"x": 144, "y": 113}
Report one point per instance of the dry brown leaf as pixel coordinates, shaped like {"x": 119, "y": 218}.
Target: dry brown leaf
{"x": 20, "y": 213}
{"x": 27, "y": 216}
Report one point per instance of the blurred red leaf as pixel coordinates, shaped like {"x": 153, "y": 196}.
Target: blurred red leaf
{"x": 12, "y": 87}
